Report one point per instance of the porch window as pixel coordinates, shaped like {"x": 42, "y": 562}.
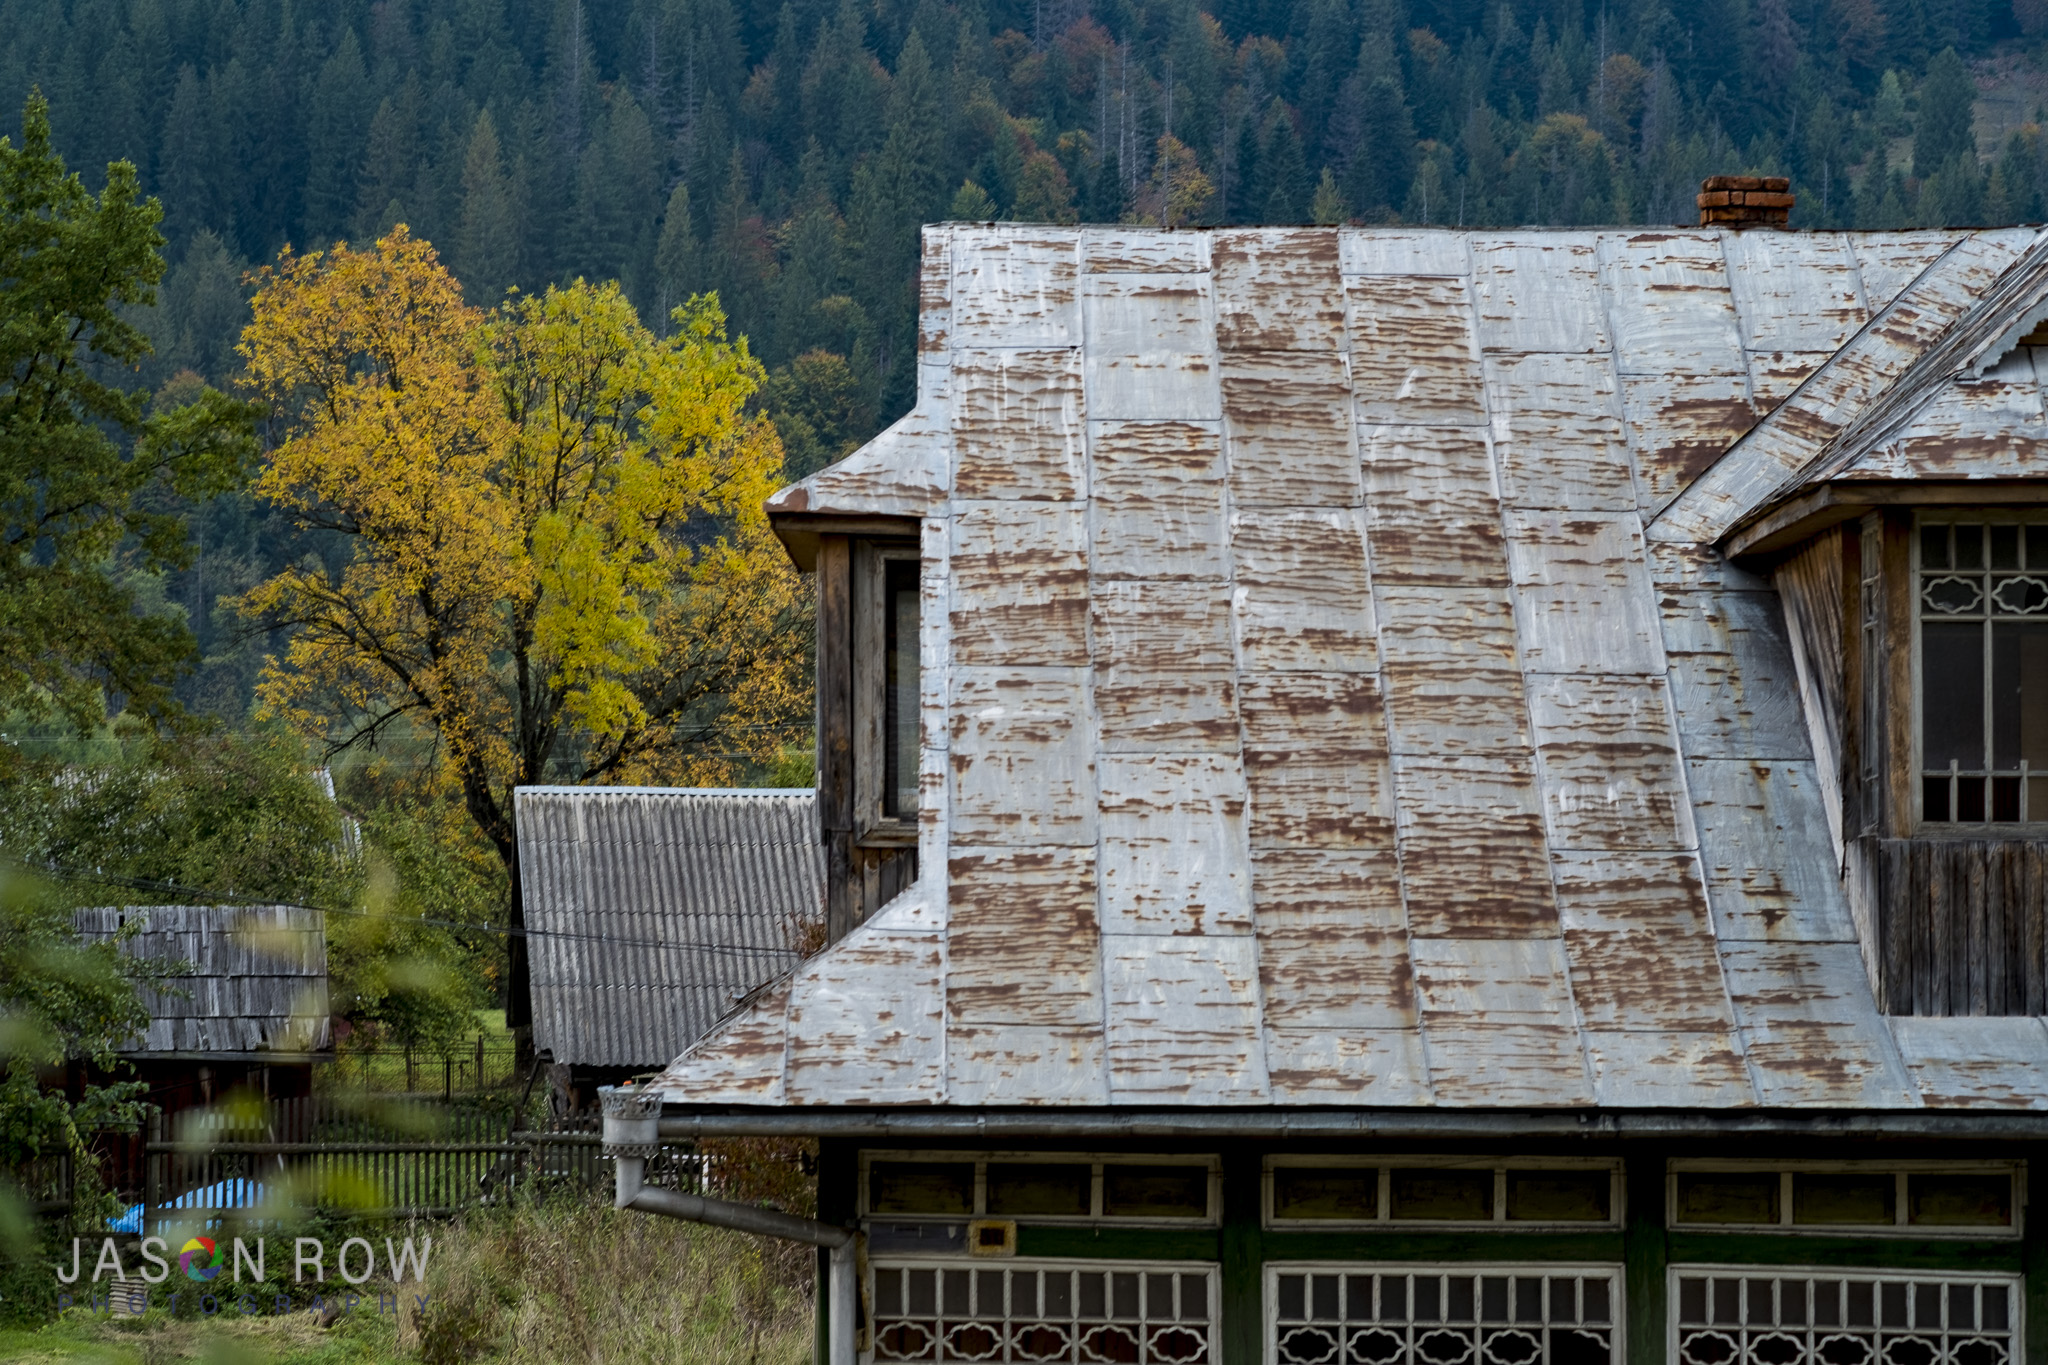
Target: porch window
{"x": 1325, "y": 1192}
{"x": 1336, "y": 1314}
{"x": 1983, "y": 618}
{"x": 1724, "y": 1314}
{"x": 1042, "y": 1187}
{"x": 1923, "y": 1198}
{"x": 1146, "y": 1313}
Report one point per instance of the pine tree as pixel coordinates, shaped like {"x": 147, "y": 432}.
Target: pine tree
{"x": 487, "y": 242}
{"x": 893, "y": 194}
{"x": 1947, "y": 124}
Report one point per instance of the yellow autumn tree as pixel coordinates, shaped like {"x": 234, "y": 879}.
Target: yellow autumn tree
{"x": 559, "y": 569}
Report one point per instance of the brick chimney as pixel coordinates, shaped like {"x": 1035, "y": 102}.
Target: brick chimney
{"x": 1745, "y": 201}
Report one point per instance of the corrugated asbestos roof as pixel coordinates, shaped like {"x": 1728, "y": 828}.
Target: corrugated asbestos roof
{"x": 655, "y": 910}
{"x": 258, "y": 981}
{"x": 1308, "y": 719}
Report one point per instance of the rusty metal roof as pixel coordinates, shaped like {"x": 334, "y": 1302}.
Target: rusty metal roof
{"x": 257, "y": 984}
{"x": 654, "y": 911}
{"x": 1310, "y": 721}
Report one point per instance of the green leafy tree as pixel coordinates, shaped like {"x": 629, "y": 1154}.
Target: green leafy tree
{"x": 80, "y": 459}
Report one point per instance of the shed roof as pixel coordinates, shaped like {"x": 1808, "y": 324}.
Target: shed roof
{"x": 258, "y": 981}
{"x": 1310, "y": 721}
{"x": 654, "y": 911}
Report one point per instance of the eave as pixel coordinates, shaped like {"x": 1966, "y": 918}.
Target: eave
{"x": 1799, "y": 518}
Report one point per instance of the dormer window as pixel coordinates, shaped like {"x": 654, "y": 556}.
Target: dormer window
{"x": 886, "y": 687}
{"x": 1982, "y": 610}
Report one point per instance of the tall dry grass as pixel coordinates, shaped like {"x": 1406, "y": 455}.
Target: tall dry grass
{"x": 571, "y": 1281}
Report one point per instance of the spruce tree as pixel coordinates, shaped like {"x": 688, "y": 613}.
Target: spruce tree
{"x": 1947, "y": 123}
{"x": 337, "y": 118}
{"x": 678, "y": 263}
{"x": 487, "y": 240}
{"x": 187, "y": 161}
{"x": 1287, "y": 195}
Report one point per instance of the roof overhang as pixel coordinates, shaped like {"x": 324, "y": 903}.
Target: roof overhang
{"x": 905, "y": 1125}
{"x": 1799, "y": 518}
{"x": 800, "y": 532}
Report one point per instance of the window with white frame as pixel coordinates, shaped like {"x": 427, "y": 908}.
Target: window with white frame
{"x": 1772, "y": 1315}
{"x": 1338, "y": 1314}
{"x": 1331, "y": 1192}
{"x": 1920, "y": 1198}
{"x": 1982, "y": 595}
{"x": 1133, "y": 1312}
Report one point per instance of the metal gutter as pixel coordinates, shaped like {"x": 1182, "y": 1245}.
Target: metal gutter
{"x": 974, "y": 1125}
{"x": 631, "y": 1119}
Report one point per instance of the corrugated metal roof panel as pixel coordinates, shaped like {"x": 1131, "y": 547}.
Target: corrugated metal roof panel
{"x": 653, "y": 912}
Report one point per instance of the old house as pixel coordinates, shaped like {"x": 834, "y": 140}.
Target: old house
{"x": 653, "y": 911}
{"x": 249, "y": 1010}
{"x": 1404, "y": 797}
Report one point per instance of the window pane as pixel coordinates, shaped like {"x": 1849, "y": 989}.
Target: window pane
{"x": 1308, "y": 1192}
{"x": 1969, "y": 800}
{"x": 945, "y": 1187}
{"x": 1466, "y": 1196}
{"x": 1039, "y": 1189}
{"x": 2005, "y": 547}
{"x": 1844, "y": 1198}
{"x": 2019, "y": 695}
{"x": 1727, "y": 1197}
{"x": 1559, "y": 1196}
{"x": 1959, "y": 1200}
{"x": 1155, "y": 1191}
{"x": 1934, "y": 547}
{"x": 1934, "y": 799}
{"x": 2037, "y": 547}
{"x": 1952, "y": 694}
{"x": 1969, "y": 547}
{"x": 899, "y": 723}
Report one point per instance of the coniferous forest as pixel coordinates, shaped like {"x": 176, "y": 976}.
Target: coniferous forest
{"x": 784, "y": 157}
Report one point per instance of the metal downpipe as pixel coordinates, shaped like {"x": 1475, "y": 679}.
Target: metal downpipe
{"x": 630, "y": 1139}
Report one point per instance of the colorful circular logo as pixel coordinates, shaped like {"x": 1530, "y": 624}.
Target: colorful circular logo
{"x": 199, "y": 1259}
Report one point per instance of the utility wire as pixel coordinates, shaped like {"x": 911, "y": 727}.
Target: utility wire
{"x": 232, "y": 898}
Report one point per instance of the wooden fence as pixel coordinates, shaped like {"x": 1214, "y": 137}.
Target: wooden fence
{"x": 365, "y": 1159}
{"x": 484, "y": 1065}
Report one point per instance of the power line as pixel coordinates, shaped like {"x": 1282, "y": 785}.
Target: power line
{"x": 233, "y": 898}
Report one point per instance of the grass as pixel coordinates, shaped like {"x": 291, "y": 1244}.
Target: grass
{"x": 536, "y": 1282}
